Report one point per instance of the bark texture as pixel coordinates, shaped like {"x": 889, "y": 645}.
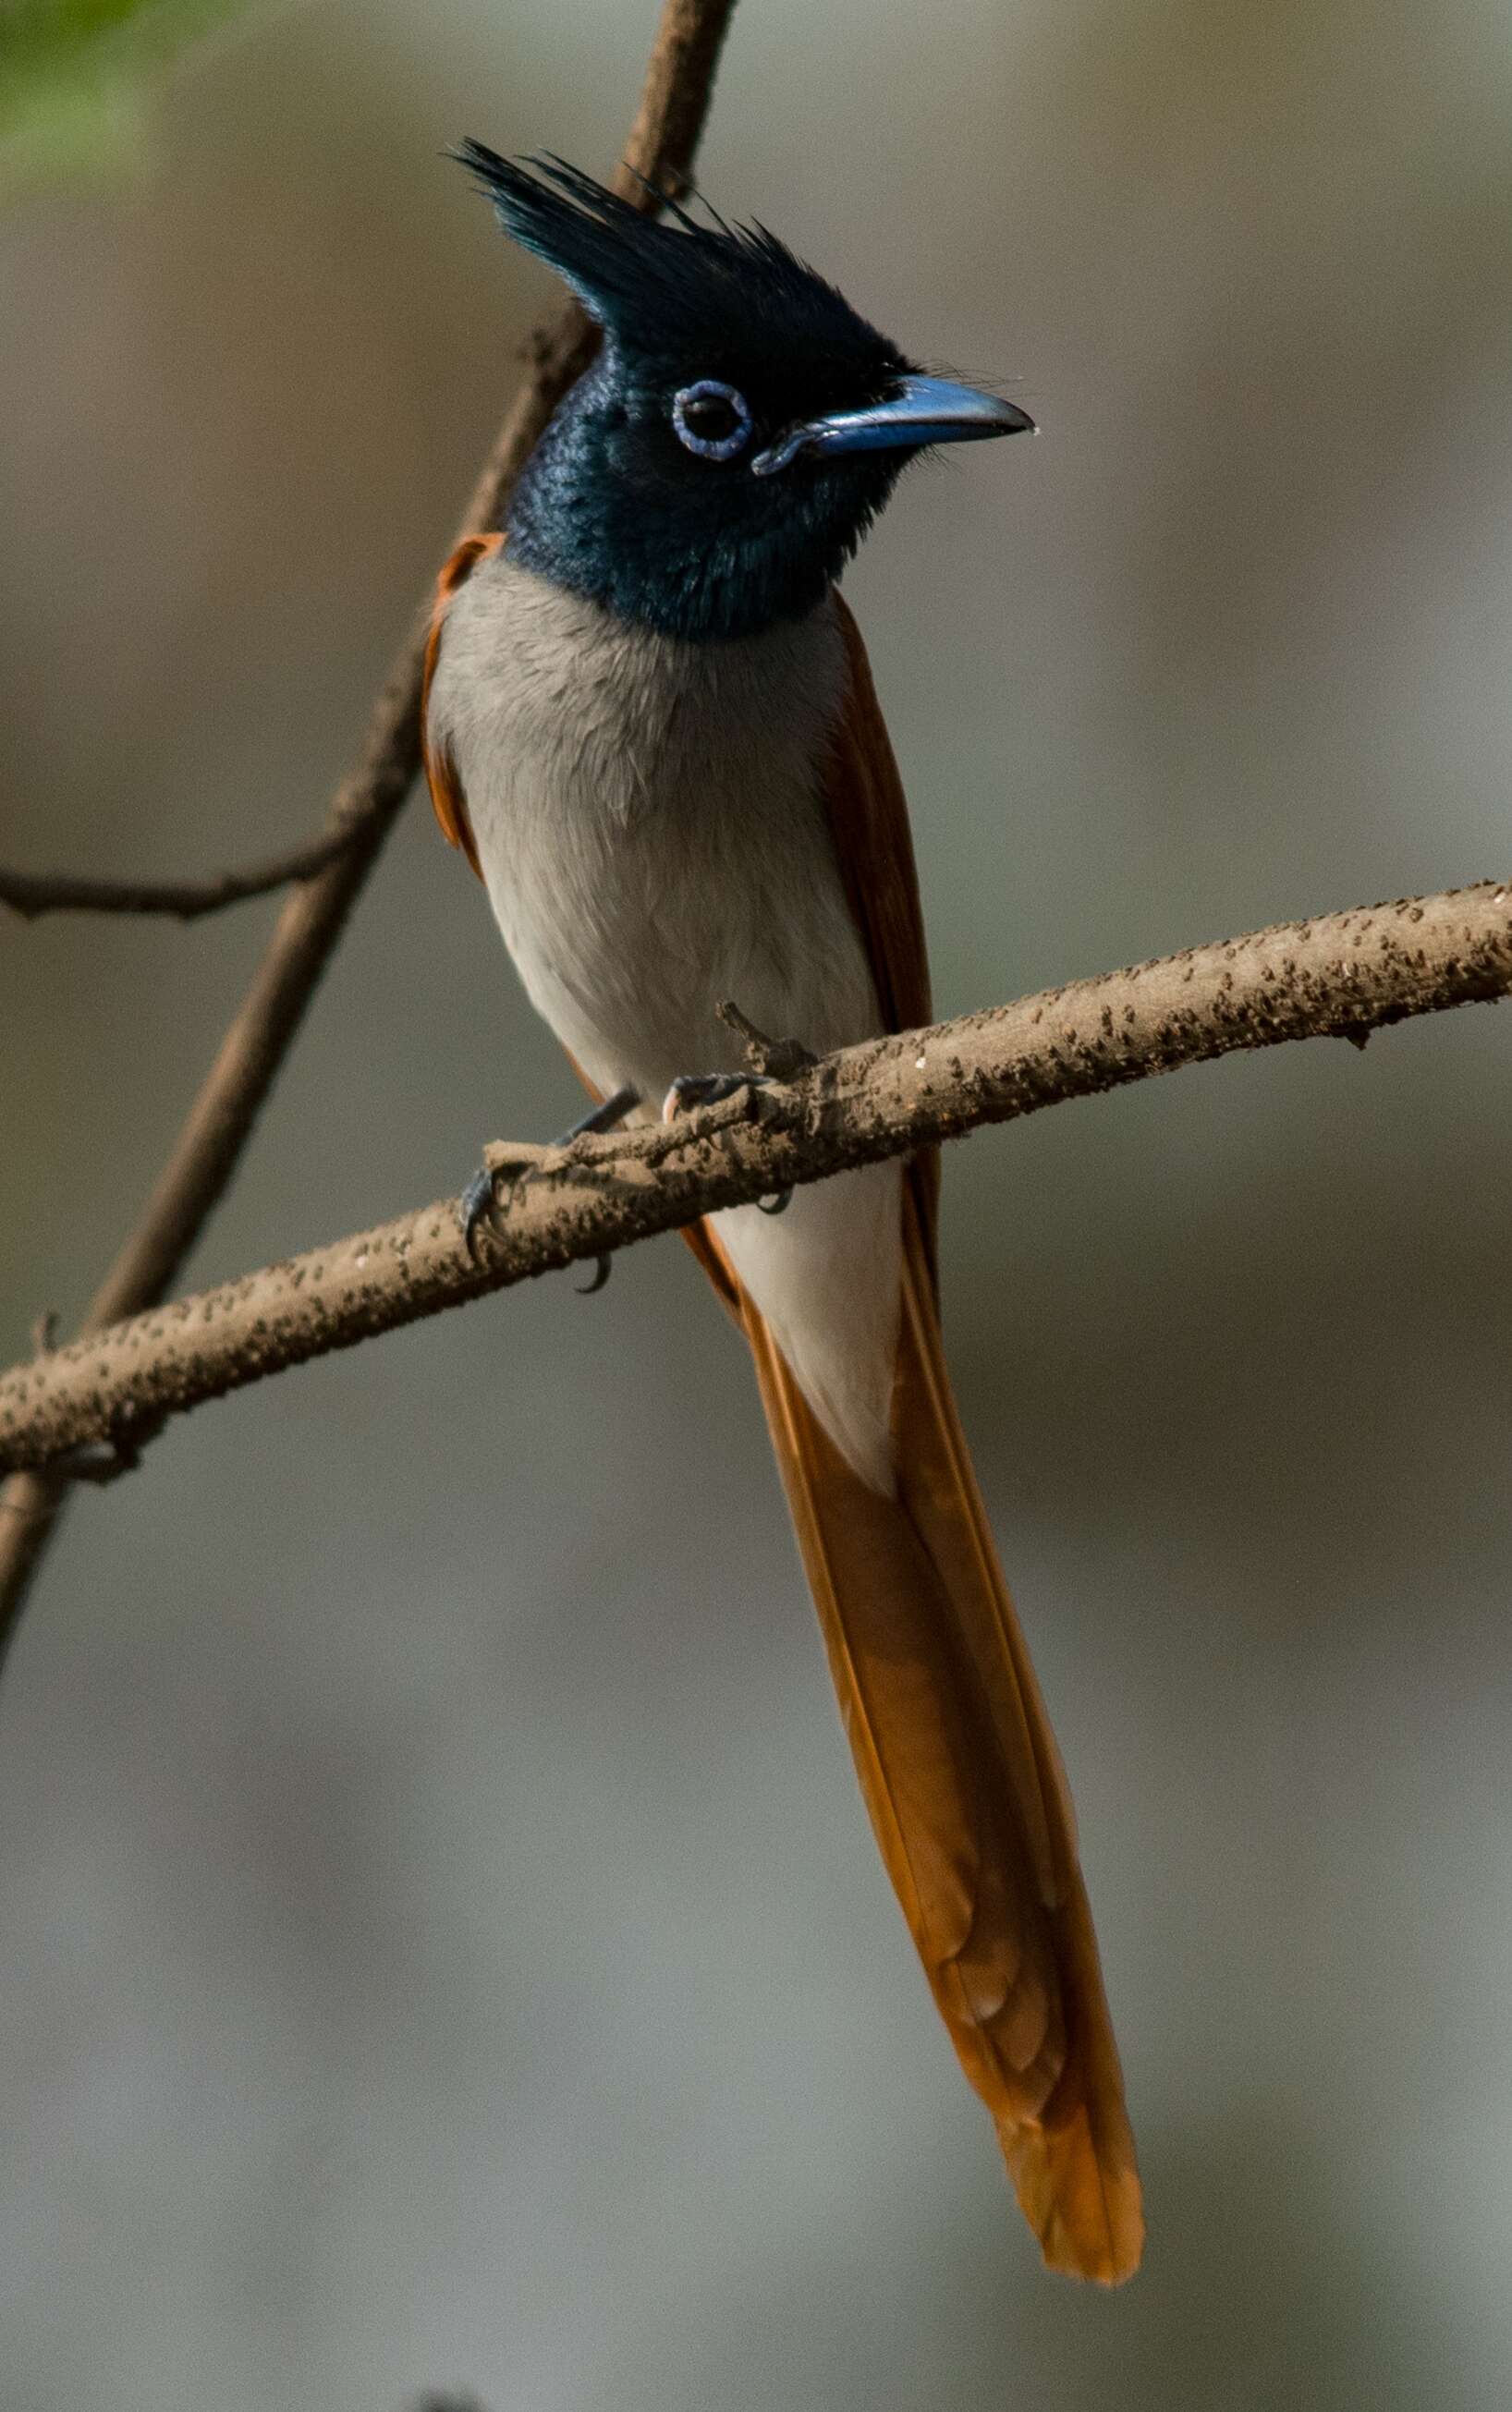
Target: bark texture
{"x": 1340, "y": 975}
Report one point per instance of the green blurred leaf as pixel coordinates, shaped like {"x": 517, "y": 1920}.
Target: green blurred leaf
{"x": 76, "y": 79}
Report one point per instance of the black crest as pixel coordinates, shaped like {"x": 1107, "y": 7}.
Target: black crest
{"x": 680, "y": 290}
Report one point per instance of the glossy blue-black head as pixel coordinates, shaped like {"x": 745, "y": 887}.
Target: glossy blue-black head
{"x": 739, "y": 430}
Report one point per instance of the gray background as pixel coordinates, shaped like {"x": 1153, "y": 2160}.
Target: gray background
{"x": 441, "y": 1942}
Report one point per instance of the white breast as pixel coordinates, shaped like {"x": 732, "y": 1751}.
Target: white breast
{"x": 648, "y": 818}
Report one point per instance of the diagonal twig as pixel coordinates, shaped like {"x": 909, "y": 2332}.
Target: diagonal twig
{"x": 674, "y": 105}
{"x": 1341, "y": 975}
{"x": 32, "y": 893}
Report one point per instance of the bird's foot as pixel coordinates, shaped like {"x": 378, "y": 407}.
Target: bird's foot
{"x": 693, "y": 1089}
{"x": 487, "y": 1196}
{"x": 478, "y": 1204}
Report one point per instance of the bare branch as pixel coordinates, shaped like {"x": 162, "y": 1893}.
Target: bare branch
{"x": 1341, "y": 975}
{"x": 32, "y": 893}
{"x": 674, "y": 105}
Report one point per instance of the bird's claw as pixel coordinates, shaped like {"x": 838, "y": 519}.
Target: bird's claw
{"x": 481, "y": 1202}
{"x": 691, "y": 1089}
{"x": 478, "y": 1204}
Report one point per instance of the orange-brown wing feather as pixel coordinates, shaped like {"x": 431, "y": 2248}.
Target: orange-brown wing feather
{"x": 440, "y": 770}
{"x": 874, "y": 845}
{"x": 957, "y": 1763}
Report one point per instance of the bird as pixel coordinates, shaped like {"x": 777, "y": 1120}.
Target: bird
{"x": 650, "y": 726}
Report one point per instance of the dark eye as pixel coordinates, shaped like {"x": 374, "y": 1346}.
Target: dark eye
{"x": 712, "y": 419}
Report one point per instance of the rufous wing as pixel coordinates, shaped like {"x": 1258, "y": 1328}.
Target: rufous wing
{"x": 440, "y": 770}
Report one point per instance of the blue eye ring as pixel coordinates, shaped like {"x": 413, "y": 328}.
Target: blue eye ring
{"x": 723, "y": 447}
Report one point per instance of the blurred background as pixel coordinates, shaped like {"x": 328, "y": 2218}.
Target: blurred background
{"x": 443, "y": 1943}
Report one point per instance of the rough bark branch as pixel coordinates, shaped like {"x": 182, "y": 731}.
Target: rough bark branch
{"x": 32, "y": 893}
{"x": 1342, "y": 976}
{"x": 668, "y": 121}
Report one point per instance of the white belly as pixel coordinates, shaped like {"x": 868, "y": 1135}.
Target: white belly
{"x": 647, "y": 816}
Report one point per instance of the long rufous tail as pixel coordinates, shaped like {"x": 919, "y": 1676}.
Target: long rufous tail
{"x": 964, "y": 1788}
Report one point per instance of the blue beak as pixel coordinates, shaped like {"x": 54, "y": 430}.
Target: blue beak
{"x": 928, "y": 410}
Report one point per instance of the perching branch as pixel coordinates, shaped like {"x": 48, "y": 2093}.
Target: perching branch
{"x": 668, "y": 121}
{"x": 1342, "y": 976}
{"x": 32, "y": 893}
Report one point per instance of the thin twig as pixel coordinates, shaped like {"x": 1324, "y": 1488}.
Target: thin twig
{"x": 1340, "y": 977}
{"x": 673, "y": 104}
{"x": 770, "y": 1059}
{"x": 32, "y": 893}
